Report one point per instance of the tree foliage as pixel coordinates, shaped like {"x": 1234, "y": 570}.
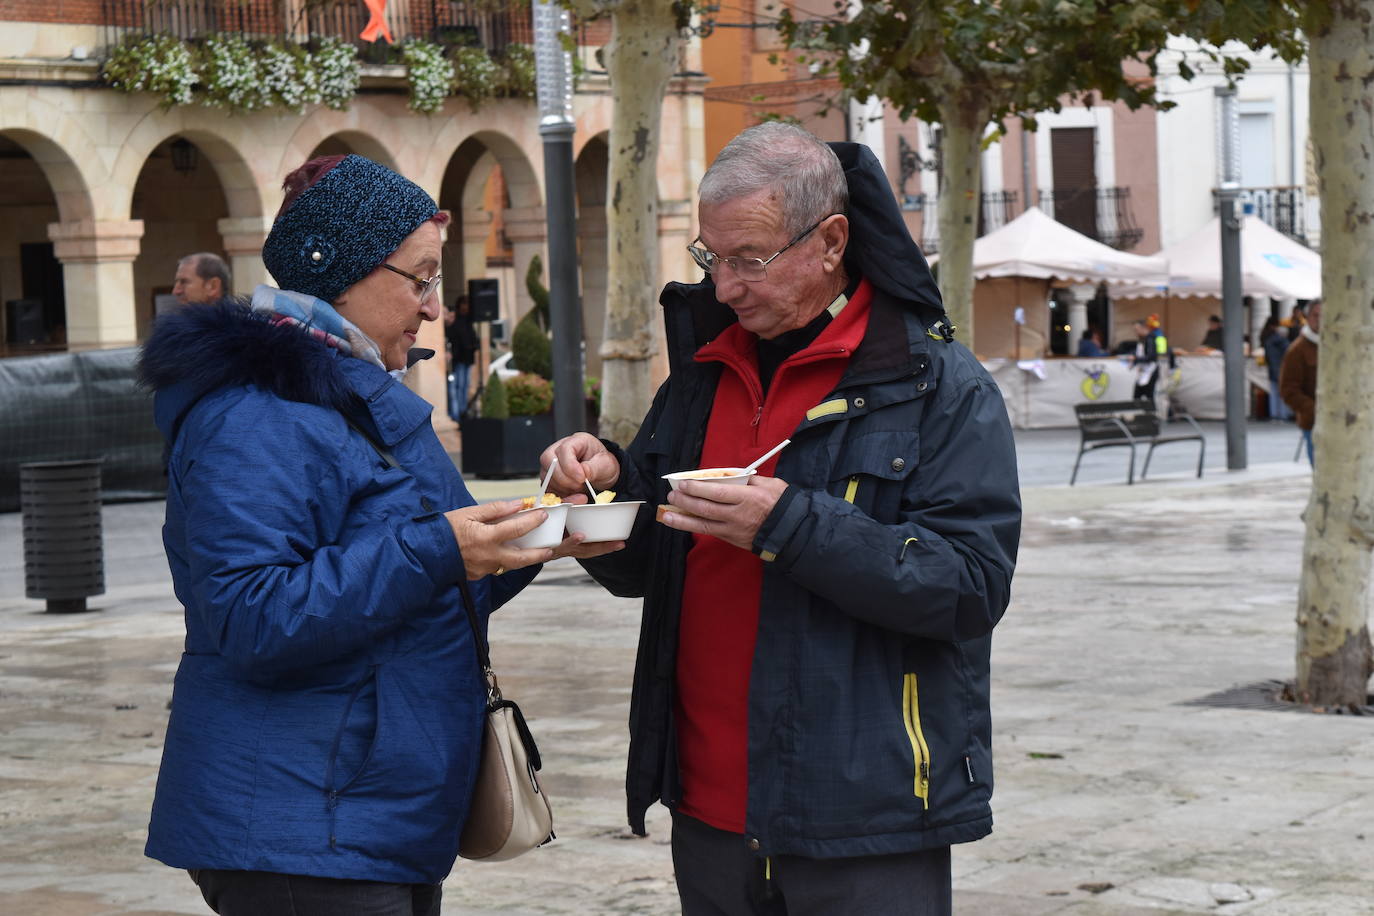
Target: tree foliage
{"x": 969, "y": 64}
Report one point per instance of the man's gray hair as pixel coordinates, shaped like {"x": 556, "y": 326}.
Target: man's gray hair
{"x": 208, "y": 266}
{"x": 796, "y": 165}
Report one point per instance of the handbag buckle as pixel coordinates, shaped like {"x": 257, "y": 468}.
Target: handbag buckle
{"x": 493, "y": 688}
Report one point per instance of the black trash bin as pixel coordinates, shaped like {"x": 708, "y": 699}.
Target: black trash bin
{"x": 64, "y": 555}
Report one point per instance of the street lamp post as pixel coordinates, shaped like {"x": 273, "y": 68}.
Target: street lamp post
{"x": 553, "y": 68}
{"x": 1232, "y": 307}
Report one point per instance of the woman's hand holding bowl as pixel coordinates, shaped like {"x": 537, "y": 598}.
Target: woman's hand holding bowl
{"x": 482, "y": 533}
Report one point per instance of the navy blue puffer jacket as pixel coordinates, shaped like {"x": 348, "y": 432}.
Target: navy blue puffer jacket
{"x": 327, "y": 710}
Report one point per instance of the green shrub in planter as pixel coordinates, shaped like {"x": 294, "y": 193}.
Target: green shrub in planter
{"x": 532, "y": 348}
{"x": 495, "y": 401}
{"x": 529, "y": 395}
{"x": 534, "y": 285}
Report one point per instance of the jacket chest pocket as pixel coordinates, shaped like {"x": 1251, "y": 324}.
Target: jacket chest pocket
{"x": 873, "y": 470}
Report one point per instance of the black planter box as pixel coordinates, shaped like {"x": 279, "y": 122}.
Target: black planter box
{"x": 505, "y": 448}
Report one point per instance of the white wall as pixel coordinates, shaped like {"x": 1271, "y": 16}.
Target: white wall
{"x": 1188, "y": 139}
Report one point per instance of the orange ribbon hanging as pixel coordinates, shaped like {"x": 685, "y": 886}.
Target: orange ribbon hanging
{"x": 377, "y": 24}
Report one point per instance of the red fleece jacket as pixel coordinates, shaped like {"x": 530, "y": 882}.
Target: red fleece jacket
{"x": 720, "y": 601}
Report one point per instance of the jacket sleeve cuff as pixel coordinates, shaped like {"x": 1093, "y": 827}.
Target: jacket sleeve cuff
{"x": 430, "y": 539}
{"x": 777, "y": 529}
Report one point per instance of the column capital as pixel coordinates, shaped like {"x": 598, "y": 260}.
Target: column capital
{"x": 243, "y": 235}
{"x": 525, "y": 224}
{"x": 91, "y": 240}
{"x": 476, "y": 225}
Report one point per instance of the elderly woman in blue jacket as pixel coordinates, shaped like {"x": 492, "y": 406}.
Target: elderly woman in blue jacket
{"x": 326, "y": 715}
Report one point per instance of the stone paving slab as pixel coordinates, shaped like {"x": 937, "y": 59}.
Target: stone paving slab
{"x": 1112, "y": 797}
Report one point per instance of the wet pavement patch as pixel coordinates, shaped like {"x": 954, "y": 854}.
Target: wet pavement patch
{"x": 1273, "y": 695}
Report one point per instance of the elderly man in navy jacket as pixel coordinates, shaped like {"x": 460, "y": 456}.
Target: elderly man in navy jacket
{"x": 811, "y": 691}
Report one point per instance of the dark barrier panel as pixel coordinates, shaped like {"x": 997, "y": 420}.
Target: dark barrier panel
{"x": 75, "y": 406}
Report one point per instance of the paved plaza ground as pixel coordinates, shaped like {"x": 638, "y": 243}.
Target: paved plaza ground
{"x": 1116, "y": 794}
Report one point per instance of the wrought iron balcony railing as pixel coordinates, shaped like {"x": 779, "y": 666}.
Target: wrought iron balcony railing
{"x": 1103, "y": 214}
{"x": 996, "y": 209}
{"x": 1283, "y": 207}
{"x": 445, "y": 21}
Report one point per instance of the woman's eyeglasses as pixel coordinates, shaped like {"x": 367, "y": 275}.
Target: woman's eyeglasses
{"x": 427, "y": 287}
{"x": 750, "y": 269}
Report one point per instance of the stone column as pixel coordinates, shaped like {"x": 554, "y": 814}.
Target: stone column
{"x": 98, "y": 276}
{"x": 526, "y": 228}
{"x": 476, "y": 226}
{"x": 243, "y": 237}
{"x": 1078, "y": 314}
{"x": 591, "y": 236}
{"x": 674, "y": 263}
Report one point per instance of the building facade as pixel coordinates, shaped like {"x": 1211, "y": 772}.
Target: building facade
{"x": 102, "y": 191}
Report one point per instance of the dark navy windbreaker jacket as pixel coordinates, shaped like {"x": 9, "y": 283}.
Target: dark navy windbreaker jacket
{"x": 326, "y": 714}
{"x": 887, "y": 563}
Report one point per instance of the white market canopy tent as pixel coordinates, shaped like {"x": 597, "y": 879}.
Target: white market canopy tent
{"x": 1037, "y": 246}
{"x": 1016, "y": 265}
{"x": 1271, "y": 265}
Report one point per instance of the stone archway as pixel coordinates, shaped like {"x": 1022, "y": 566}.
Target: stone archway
{"x": 590, "y": 175}
{"x": 498, "y": 217}
{"x": 345, "y": 142}
{"x": 32, "y": 292}
{"x": 180, "y": 200}
{"x": 53, "y": 238}
{"x": 223, "y": 196}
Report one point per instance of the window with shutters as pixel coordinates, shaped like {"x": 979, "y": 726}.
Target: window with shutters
{"x": 1072, "y": 158}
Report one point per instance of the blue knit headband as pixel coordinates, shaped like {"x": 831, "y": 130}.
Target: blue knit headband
{"x": 342, "y": 227}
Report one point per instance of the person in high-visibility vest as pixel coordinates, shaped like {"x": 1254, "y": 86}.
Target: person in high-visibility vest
{"x": 1150, "y": 349}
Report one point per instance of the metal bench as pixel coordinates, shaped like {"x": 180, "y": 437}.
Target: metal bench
{"x": 1106, "y": 424}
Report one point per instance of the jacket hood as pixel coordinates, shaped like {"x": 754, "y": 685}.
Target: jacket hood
{"x": 880, "y": 245}
{"x": 880, "y": 249}
{"x": 199, "y": 349}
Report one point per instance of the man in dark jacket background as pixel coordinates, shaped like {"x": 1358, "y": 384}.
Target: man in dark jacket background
{"x": 811, "y": 690}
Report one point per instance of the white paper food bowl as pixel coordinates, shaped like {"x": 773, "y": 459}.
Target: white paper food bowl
{"x": 550, "y": 531}
{"x": 603, "y": 521}
{"x": 737, "y": 476}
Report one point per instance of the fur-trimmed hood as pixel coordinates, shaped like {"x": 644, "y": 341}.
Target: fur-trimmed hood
{"x": 202, "y": 348}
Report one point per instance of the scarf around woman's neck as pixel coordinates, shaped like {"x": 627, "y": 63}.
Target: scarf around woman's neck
{"x": 318, "y": 319}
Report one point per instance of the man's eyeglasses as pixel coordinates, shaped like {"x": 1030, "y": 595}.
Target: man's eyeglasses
{"x": 427, "y": 287}
{"x": 749, "y": 269}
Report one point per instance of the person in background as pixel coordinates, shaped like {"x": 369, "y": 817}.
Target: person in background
{"x": 1295, "y": 323}
{"x": 1091, "y": 343}
{"x": 1298, "y": 375}
{"x": 1212, "y": 339}
{"x": 1151, "y": 347}
{"x": 811, "y": 690}
{"x": 1274, "y": 342}
{"x": 461, "y": 336}
{"x": 200, "y": 278}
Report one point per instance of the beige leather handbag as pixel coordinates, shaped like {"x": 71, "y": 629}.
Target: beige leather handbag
{"x": 510, "y": 813}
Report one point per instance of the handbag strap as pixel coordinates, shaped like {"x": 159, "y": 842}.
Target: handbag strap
{"x": 479, "y": 640}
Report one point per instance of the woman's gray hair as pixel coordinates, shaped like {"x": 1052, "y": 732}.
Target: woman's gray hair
{"x": 796, "y": 165}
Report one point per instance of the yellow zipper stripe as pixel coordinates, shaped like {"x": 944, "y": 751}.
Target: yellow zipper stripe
{"x": 911, "y": 714}
{"x": 826, "y": 408}
{"x": 850, "y": 490}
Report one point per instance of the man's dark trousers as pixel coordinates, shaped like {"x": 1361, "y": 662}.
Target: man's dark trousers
{"x": 718, "y": 876}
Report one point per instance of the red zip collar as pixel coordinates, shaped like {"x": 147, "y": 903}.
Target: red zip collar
{"x": 738, "y": 348}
